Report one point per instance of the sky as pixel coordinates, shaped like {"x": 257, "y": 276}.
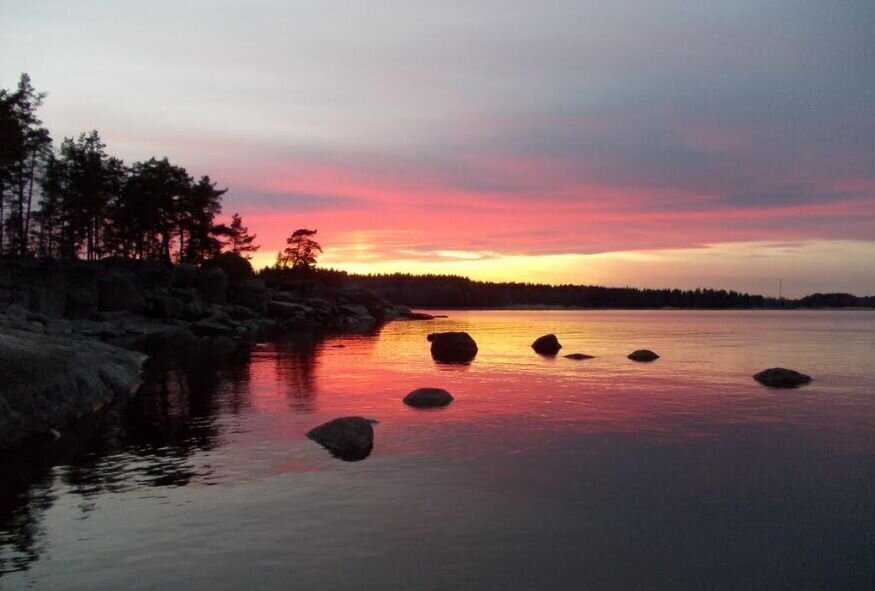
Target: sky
{"x": 655, "y": 144}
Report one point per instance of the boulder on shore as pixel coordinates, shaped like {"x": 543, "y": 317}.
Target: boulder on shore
{"x": 643, "y": 355}
{"x": 347, "y": 438}
{"x": 578, "y": 356}
{"x": 546, "y": 345}
{"x": 779, "y": 377}
{"x": 428, "y": 398}
{"x": 48, "y": 381}
{"x": 452, "y": 347}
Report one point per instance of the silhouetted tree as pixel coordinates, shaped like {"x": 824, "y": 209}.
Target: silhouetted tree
{"x": 301, "y": 252}
{"x": 77, "y": 187}
{"x": 91, "y": 205}
{"x": 240, "y": 241}
{"x": 24, "y": 144}
{"x": 199, "y": 238}
{"x": 146, "y": 217}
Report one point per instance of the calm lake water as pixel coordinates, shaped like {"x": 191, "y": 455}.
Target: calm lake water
{"x": 683, "y": 473}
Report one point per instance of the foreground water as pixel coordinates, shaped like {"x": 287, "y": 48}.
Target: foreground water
{"x": 543, "y": 474}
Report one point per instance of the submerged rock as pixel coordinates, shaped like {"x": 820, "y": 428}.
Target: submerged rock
{"x": 347, "y": 438}
{"x": 428, "y": 398}
{"x": 578, "y": 356}
{"x": 779, "y": 377}
{"x": 547, "y": 345}
{"x": 643, "y": 355}
{"x": 452, "y": 347}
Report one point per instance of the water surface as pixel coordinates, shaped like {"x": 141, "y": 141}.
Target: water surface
{"x": 545, "y": 473}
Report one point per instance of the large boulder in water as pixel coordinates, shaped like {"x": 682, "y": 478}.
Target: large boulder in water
{"x": 779, "y": 377}
{"x": 578, "y": 356}
{"x": 347, "y": 438}
{"x": 643, "y": 355}
{"x": 546, "y": 345}
{"x": 428, "y": 398}
{"x": 452, "y": 347}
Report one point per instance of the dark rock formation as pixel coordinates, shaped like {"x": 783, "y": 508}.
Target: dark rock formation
{"x": 212, "y": 284}
{"x": 546, "y": 345}
{"x": 373, "y": 304}
{"x": 348, "y": 438}
{"x": 253, "y": 294}
{"x": 578, "y": 356}
{"x": 416, "y": 316}
{"x": 280, "y": 309}
{"x": 184, "y": 276}
{"x": 357, "y": 314}
{"x": 452, "y": 347}
{"x": 120, "y": 290}
{"x": 779, "y": 377}
{"x": 164, "y": 306}
{"x": 643, "y": 355}
{"x": 428, "y": 398}
{"x": 49, "y": 382}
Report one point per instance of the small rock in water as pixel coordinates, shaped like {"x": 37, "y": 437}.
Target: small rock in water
{"x": 347, "y": 438}
{"x": 428, "y": 398}
{"x": 452, "y": 347}
{"x": 578, "y": 356}
{"x": 643, "y": 355}
{"x": 546, "y": 345}
{"x": 779, "y": 377}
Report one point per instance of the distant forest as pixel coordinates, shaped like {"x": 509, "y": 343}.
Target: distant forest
{"x": 448, "y": 291}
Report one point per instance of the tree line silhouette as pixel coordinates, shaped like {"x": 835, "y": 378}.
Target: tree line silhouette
{"x": 81, "y": 202}
{"x": 454, "y": 291}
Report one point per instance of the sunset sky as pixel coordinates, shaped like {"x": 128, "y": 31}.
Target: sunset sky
{"x": 655, "y": 144}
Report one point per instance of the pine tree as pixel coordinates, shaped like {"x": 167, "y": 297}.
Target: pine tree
{"x": 240, "y": 241}
{"x": 301, "y": 252}
{"x": 24, "y": 145}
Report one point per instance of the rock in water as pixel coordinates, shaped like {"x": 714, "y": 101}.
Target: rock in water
{"x": 578, "y": 356}
{"x": 643, "y": 355}
{"x": 428, "y": 398}
{"x": 779, "y": 377}
{"x": 347, "y": 438}
{"x": 546, "y": 345}
{"x": 452, "y": 347}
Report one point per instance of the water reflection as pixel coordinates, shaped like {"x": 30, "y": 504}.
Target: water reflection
{"x": 295, "y": 369}
{"x": 534, "y": 454}
{"x": 145, "y": 442}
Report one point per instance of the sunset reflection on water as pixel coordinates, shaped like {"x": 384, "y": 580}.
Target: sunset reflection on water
{"x": 542, "y": 473}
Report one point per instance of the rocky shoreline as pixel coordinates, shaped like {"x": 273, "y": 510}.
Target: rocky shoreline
{"x": 74, "y": 335}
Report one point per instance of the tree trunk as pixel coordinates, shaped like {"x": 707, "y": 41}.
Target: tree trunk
{"x": 26, "y": 236}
